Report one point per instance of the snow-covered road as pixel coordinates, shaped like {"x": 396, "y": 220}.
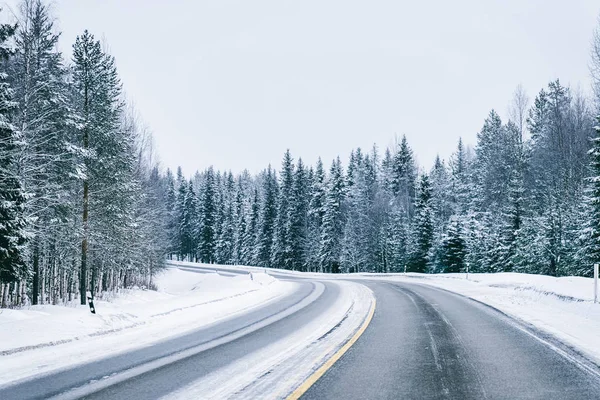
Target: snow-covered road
{"x": 243, "y": 333}
{"x": 196, "y": 310}
{"x": 43, "y": 338}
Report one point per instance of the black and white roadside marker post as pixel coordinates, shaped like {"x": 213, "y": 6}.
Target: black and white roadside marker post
{"x": 91, "y": 304}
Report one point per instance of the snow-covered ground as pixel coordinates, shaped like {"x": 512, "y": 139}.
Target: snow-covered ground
{"x": 41, "y": 338}
{"x": 562, "y": 307}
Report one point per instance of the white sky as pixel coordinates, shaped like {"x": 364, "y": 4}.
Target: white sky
{"x": 234, "y": 83}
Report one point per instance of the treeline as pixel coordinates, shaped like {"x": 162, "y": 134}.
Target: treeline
{"x": 81, "y": 202}
{"x": 521, "y": 200}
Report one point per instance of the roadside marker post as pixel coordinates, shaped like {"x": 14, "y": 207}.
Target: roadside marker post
{"x": 467, "y": 271}
{"x": 91, "y": 304}
{"x": 595, "y": 283}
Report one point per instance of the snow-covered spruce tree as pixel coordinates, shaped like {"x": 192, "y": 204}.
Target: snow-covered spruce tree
{"x": 315, "y": 216}
{"x": 423, "y": 228}
{"x": 454, "y": 249}
{"x": 267, "y": 219}
{"x": 248, "y": 256}
{"x": 591, "y": 232}
{"x": 333, "y": 220}
{"x": 171, "y": 207}
{"x": 239, "y": 223}
{"x": 460, "y": 181}
{"x": 397, "y": 240}
{"x": 359, "y": 246}
{"x": 353, "y": 252}
{"x": 512, "y": 217}
{"x": 281, "y": 256}
{"x": 153, "y": 221}
{"x": 404, "y": 177}
{"x": 378, "y": 208}
{"x": 208, "y": 232}
{"x": 298, "y": 224}
{"x": 442, "y": 206}
{"x": 188, "y": 223}
{"x": 225, "y": 239}
{"x": 309, "y": 193}
{"x": 12, "y": 220}
{"x": 182, "y": 241}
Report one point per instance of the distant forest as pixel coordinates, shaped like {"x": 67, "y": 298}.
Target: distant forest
{"x": 85, "y": 208}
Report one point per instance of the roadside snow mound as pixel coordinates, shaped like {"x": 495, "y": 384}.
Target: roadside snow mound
{"x": 570, "y": 288}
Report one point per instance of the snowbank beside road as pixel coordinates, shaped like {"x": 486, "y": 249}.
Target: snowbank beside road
{"x": 562, "y": 307}
{"x": 41, "y": 338}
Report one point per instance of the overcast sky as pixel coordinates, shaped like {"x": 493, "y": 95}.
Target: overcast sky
{"x": 234, "y": 83}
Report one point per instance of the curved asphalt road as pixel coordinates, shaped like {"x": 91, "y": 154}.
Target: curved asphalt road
{"x": 427, "y": 343}
{"x": 162, "y": 381}
{"x": 423, "y": 343}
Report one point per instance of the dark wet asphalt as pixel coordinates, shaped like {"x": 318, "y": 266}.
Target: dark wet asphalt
{"x": 427, "y": 343}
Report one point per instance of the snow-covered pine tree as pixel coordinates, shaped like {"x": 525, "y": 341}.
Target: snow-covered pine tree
{"x": 38, "y": 79}
{"x": 239, "y": 223}
{"x": 403, "y": 178}
{"x": 225, "y": 240}
{"x": 441, "y": 204}
{"x": 171, "y": 207}
{"x": 281, "y": 256}
{"x": 353, "y": 253}
{"x": 560, "y": 127}
{"x": 248, "y": 256}
{"x": 591, "y": 232}
{"x": 98, "y": 107}
{"x": 315, "y": 216}
{"x": 12, "y": 200}
{"x": 188, "y": 223}
{"x": 333, "y": 220}
{"x": 398, "y": 240}
{"x": 208, "y": 232}
{"x": 454, "y": 249}
{"x": 268, "y": 218}
{"x": 298, "y": 224}
{"x": 420, "y": 260}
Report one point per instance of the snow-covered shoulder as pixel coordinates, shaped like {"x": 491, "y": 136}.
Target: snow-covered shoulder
{"x": 41, "y": 338}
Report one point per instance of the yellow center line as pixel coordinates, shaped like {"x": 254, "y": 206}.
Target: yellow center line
{"x": 296, "y": 394}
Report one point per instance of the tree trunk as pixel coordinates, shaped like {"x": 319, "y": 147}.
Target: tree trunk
{"x": 54, "y": 282}
{"x": 36, "y": 273}
{"x": 18, "y": 292}
{"x": 23, "y": 292}
{"x": 86, "y": 192}
{"x": 5, "y": 289}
